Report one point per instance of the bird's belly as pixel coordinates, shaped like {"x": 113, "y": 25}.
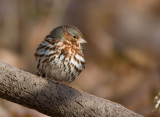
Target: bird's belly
{"x": 63, "y": 69}
{"x": 55, "y": 73}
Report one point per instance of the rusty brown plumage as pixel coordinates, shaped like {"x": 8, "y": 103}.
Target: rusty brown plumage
{"x": 60, "y": 56}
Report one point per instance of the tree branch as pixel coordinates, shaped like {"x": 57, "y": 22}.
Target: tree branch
{"x": 52, "y": 99}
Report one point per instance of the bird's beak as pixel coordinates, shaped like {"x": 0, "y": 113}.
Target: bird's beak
{"x": 82, "y": 40}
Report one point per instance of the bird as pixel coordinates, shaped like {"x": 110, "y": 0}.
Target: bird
{"x": 59, "y": 56}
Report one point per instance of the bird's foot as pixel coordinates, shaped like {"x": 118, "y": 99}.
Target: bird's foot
{"x": 57, "y": 82}
{"x": 38, "y": 74}
{"x": 42, "y": 75}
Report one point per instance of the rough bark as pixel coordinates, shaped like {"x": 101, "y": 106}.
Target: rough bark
{"x": 56, "y": 100}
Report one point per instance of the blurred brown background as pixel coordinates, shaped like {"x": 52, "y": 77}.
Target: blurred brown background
{"x": 122, "y": 53}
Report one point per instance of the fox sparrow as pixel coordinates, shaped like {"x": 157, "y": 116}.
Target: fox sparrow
{"x": 60, "y": 56}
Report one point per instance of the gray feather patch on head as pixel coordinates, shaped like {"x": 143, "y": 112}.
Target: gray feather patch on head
{"x": 57, "y": 33}
{"x": 73, "y": 30}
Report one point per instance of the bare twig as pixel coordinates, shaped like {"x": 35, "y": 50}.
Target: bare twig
{"x": 52, "y": 99}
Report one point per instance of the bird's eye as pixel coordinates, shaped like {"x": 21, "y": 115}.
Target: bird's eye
{"x": 74, "y": 37}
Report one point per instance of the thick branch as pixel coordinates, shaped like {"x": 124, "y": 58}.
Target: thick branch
{"x": 57, "y": 100}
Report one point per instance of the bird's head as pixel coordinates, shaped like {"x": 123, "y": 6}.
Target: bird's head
{"x": 68, "y": 33}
